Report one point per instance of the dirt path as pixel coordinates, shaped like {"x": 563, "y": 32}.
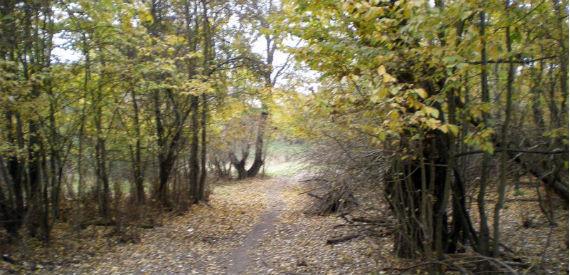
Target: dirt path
{"x": 249, "y": 227}
{"x": 240, "y": 257}
{"x": 256, "y": 226}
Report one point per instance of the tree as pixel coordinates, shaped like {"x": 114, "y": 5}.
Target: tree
{"x": 396, "y": 73}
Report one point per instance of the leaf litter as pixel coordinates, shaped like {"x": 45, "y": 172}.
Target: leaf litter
{"x": 210, "y": 238}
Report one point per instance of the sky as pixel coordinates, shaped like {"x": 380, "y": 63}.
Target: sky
{"x": 63, "y": 53}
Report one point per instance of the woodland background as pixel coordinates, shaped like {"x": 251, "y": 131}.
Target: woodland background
{"x": 451, "y": 108}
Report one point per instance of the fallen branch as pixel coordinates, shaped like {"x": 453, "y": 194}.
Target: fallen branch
{"x": 315, "y": 196}
{"x": 348, "y": 224}
{"x": 369, "y": 221}
{"x": 342, "y": 239}
{"x": 311, "y": 190}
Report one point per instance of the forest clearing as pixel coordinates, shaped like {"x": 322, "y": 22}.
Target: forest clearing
{"x": 284, "y": 137}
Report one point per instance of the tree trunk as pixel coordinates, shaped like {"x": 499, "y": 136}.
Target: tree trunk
{"x": 138, "y": 175}
{"x": 203, "y": 152}
{"x": 9, "y": 212}
{"x": 101, "y": 170}
{"x": 204, "y": 118}
{"x": 194, "y": 142}
{"x": 103, "y": 191}
{"x": 15, "y": 172}
{"x": 483, "y": 226}
{"x": 163, "y": 167}
{"x": 239, "y": 165}
{"x": 504, "y": 133}
{"x": 258, "y": 157}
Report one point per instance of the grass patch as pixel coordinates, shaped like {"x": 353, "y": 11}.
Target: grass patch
{"x": 280, "y": 169}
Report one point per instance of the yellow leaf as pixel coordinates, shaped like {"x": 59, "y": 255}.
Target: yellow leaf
{"x": 449, "y": 128}
{"x": 433, "y": 112}
{"x": 388, "y": 78}
{"x": 381, "y": 70}
{"x": 421, "y": 93}
{"x": 432, "y": 123}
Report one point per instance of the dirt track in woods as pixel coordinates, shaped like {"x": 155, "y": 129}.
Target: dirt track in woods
{"x": 256, "y": 226}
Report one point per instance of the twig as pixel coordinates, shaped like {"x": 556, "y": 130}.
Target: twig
{"x": 315, "y": 196}
{"x": 311, "y": 190}
{"x": 342, "y": 239}
{"x": 553, "y": 152}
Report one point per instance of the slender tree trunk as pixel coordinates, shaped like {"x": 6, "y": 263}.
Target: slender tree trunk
{"x": 137, "y": 161}
{"x": 101, "y": 168}
{"x": 44, "y": 200}
{"x": 194, "y": 142}
{"x": 8, "y": 209}
{"x": 16, "y": 173}
{"x": 33, "y": 163}
{"x": 103, "y": 191}
{"x": 194, "y": 161}
{"x": 81, "y": 134}
{"x": 55, "y": 161}
{"x": 163, "y": 170}
{"x": 504, "y": 133}
{"x": 207, "y": 47}
{"x": 561, "y": 7}
{"x": 483, "y": 227}
{"x": 536, "y": 92}
{"x": 203, "y": 152}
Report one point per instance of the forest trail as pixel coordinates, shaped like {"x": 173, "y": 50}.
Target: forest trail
{"x": 240, "y": 258}
{"x": 124, "y": 126}
{"x": 255, "y": 226}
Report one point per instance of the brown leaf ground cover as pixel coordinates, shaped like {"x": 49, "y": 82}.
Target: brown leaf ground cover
{"x": 298, "y": 243}
{"x": 261, "y": 227}
{"x": 527, "y": 233}
{"x": 197, "y": 242}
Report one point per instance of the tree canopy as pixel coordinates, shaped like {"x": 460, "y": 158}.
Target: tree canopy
{"x": 114, "y": 105}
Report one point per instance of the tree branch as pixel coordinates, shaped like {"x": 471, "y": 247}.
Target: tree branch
{"x": 553, "y": 152}
{"x": 506, "y": 61}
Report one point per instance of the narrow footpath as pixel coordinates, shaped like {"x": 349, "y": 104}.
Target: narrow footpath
{"x": 249, "y": 227}
{"x": 241, "y": 257}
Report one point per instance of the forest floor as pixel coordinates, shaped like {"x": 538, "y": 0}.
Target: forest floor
{"x": 260, "y": 226}
{"x": 256, "y": 226}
